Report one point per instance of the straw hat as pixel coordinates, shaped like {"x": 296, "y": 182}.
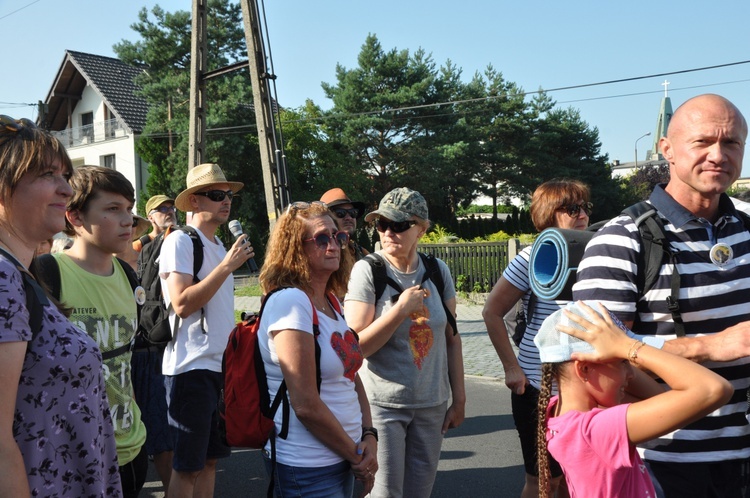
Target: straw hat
{"x": 202, "y": 176}
{"x": 141, "y": 228}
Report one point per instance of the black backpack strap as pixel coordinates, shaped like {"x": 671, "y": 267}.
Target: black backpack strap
{"x": 380, "y": 276}
{"x": 36, "y": 299}
{"x": 48, "y": 272}
{"x": 144, "y": 239}
{"x": 654, "y": 246}
{"x": 432, "y": 271}
{"x": 197, "y": 250}
{"x": 197, "y": 264}
{"x": 281, "y": 397}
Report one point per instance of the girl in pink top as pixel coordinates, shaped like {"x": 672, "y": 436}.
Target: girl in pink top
{"x": 586, "y": 428}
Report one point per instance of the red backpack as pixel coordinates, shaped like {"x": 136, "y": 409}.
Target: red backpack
{"x": 245, "y": 409}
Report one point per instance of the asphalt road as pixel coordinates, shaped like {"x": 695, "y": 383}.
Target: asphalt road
{"x": 482, "y": 458}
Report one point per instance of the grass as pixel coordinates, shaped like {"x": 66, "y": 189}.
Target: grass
{"x": 248, "y": 291}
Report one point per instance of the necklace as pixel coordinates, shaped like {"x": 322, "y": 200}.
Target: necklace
{"x": 322, "y": 309}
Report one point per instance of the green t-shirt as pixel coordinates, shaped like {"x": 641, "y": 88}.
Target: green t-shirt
{"x": 105, "y": 308}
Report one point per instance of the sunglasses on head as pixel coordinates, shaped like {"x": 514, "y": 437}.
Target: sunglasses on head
{"x": 302, "y": 205}
{"x": 171, "y": 209}
{"x": 216, "y": 195}
{"x": 10, "y": 125}
{"x": 575, "y": 209}
{"x": 341, "y": 212}
{"x": 394, "y": 226}
{"x": 323, "y": 240}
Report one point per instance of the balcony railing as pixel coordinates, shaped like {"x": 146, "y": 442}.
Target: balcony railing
{"x": 97, "y": 132}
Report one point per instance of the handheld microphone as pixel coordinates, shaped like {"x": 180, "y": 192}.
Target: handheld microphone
{"x": 236, "y": 228}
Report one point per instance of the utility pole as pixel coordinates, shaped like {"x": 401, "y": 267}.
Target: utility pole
{"x": 271, "y": 146}
{"x": 198, "y": 64}
{"x": 274, "y": 170}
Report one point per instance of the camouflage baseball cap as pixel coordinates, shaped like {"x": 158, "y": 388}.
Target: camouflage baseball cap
{"x": 400, "y": 204}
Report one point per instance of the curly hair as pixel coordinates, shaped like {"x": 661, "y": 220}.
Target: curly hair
{"x": 550, "y": 196}
{"x": 550, "y": 372}
{"x": 286, "y": 263}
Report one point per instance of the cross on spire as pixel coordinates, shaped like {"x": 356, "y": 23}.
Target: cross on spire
{"x": 665, "y": 85}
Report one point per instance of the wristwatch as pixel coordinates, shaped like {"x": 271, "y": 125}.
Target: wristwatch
{"x": 370, "y": 430}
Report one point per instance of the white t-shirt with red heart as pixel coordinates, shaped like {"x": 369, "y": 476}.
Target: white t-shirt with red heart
{"x": 340, "y": 358}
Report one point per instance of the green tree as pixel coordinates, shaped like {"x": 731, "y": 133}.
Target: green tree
{"x": 163, "y": 49}
{"x": 564, "y": 145}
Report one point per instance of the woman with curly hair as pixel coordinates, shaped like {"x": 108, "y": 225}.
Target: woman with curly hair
{"x": 330, "y": 439}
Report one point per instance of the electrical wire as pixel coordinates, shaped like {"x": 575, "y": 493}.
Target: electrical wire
{"x": 18, "y": 9}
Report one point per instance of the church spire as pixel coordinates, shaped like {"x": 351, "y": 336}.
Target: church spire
{"x": 662, "y": 122}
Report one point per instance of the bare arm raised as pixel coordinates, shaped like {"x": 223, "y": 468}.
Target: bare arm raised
{"x": 695, "y": 390}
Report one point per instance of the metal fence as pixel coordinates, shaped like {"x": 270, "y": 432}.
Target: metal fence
{"x": 475, "y": 266}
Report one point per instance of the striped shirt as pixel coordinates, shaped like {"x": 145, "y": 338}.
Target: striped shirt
{"x": 711, "y": 298}
{"x": 517, "y": 273}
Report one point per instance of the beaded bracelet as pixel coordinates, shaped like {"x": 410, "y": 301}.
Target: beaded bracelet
{"x": 634, "y": 348}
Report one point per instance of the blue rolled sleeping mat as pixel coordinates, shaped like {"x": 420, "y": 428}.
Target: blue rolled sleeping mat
{"x": 554, "y": 261}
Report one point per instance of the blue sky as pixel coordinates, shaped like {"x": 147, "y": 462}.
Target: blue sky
{"x": 534, "y": 44}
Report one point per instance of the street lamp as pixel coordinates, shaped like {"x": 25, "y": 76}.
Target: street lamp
{"x": 636, "y": 147}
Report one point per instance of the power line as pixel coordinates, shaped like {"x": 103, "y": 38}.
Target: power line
{"x": 229, "y": 130}
{"x": 18, "y": 9}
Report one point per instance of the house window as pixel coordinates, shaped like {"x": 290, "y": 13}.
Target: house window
{"x": 107, "y": 161}
{"x": 87, "y": 126}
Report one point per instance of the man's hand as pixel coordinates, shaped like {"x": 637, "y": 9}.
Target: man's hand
{"x": 240, "y": 252}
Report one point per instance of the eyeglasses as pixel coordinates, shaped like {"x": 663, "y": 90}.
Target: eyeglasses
{"x": 341, "y": 212}
{"x": 216, "y": 195}
{"x": 575, "y": 209}
{"x": 323, "y": 240}
{"x": 8, "y": 124}
{"x": 135, "y": 222}
{"x": 302, "y": 205}
{"x": 171, "y": 209}
{"x": 394, "y": 226}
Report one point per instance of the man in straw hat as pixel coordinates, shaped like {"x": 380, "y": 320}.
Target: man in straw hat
{"x": 345, "y": 214}
{"x": 204, "y": 309}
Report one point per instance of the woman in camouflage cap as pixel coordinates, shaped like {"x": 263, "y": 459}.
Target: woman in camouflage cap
{"x": 414, "y": 360}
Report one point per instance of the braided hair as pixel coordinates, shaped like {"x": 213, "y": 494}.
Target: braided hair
{"x": 550, "y": 373}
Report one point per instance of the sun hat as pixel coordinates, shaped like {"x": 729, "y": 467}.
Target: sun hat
{"x": 336, "y": 197}
{"x": 555, "y": 346}
{"x": 400, "y": 204}
{"x": 157, "y": 201}
{"x": 203, "y": 175}
{"x": 143, "y": 226}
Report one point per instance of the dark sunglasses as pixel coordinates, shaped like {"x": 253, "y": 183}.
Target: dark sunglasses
{"x": 322, "y": 240}
{"x": 301, "y": 206}
{"x": 216, "y": 195}
{"x": 394, "y": 226}
{"x": 575, "y": 209}
{"x": 135, "y": 222}
{"x": 171, "y": 209}
{"x": 10, "y": 125}
{"x": 341, "y": 213}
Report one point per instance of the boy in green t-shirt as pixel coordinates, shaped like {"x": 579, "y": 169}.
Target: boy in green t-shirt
{"x": 94, "y": 284}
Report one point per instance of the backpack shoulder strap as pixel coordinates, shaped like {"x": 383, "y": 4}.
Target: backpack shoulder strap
{"x": 380, "y": 275}
{"x": 432, "y": 272}
{"x": 654, "y": 247}
{"x": 145, "y": 240}
{"x": 197, "y": 250}
{"x": 48, "y": 272}
{"x": 134, "y": 283}
{"x": 36, "y": 299}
